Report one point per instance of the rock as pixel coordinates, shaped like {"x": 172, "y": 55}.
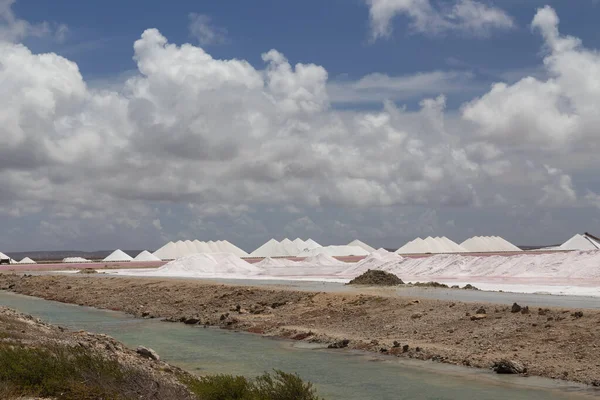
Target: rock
{"x": 577, "y": 314}
{"x": 481, "y": 310}
{"x": 468, "y": 286}
{"x": 506, "y": 366}
{"x": 405, "y": 348}
{"x": 396, "y": 343}
{"x": 416, "y": 316}
{"x": 148, "y": 353}
{"x": 543, "y": 311}
{"x": 515, "y": 308}
{"x": 525, "y": 310}
{"x": 191, "y": 321}
{"x": 478, "y": 317}
{"x": 340, "y": 344}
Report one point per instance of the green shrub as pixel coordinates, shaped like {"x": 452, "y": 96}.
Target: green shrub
{"x": 73, "y": 373}
{"x": 281, "y": 386}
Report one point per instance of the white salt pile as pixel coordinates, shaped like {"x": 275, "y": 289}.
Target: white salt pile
{"x": 171, "y": 251}
{"x": 118, "y": 255}
{"x": 481, "y": 244}
{"x": 580, "y": 242}
{"x": 362, "y": 245}
{"x": 576, "y": 264}
{"x": 146, "y": 256}
{"x": 75, "y": 260}
{"x": 375, "y": 260}
{"x": 285, "y": 248}
{"x": 431, "y": 245}
{"x": 321, "y": 260}
{"x": 208, "y": 265}
{"x": 27, "y": 260}
{"x": 335, "y": 251}
{"x": 5, "y": 257}
{"x": 319, "y": 267}
{"x": 311, "y": 244}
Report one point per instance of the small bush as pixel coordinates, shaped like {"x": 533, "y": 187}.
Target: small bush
{"x": 280, "y": 386}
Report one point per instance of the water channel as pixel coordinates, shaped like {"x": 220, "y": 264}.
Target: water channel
{"x": 337, "y": 374}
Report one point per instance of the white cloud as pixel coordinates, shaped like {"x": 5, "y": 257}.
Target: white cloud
{"x": 466, "y": 16}
{"x": 13, "y": 29}
{"x": 217, "y": 139}
{"x": 203, "y": 29}
{"x": 376, "y": 88}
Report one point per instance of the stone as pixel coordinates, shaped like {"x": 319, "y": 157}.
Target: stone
{"x": 148, "y": 353}
{"x": 481, "y": 310}
{"x": 478, "y": 317}
{"x": 191, "y": 321}
{"x": 577, "y": 314}
{"x": 340, "y": 344}
{"x": 525, "y": 310}
{"x": 506, "y": 366}
{"x": 515, "y": 308}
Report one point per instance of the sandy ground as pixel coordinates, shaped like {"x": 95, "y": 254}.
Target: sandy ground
{"x": 555, "y": 343}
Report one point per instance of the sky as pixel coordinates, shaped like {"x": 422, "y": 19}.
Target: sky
{"x": 130, "y": 124}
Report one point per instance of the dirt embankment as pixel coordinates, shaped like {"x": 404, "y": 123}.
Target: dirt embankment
{"x": 555, "y": 343}
{"x": 39, "y": 359}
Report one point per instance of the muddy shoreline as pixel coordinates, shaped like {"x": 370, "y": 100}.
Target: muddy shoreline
{"x": 549, "y": 342}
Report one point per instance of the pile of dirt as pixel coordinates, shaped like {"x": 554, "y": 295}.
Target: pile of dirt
{"x": 376, "y": 278}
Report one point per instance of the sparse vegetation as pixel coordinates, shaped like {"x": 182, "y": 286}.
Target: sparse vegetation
{"x": 277, "y": 386}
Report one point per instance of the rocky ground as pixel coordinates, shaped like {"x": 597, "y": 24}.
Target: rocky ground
{"x": 555, "y": 343}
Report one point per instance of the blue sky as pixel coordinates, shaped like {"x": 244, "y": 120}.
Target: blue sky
{"x": 517, "y": 161}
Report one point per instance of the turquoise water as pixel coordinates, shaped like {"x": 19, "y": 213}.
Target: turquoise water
{"x": 337, "y": 374}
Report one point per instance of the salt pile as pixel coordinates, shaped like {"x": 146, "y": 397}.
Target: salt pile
{"x": 27, "y": 260}
{"x": 577, "y": 264}
{"x": 75, "y": 260}
{"x": 335, "y": 251}
{"x": 171, "y": 251}
{"x": 580, "y": 242}
{"x": 321, "y": 266}
{"x": 362, "y": 245}
{"x": 431, "y": 245}
{"x": 375, "y": 260}
{"x": 207, "y": 265}
{"x": 285, "y": 248}
{"x": 146, "y": 256}
{"x": 321, "y": 260}
{"x": 5, "y": 257}
{"x": 480, "y": 244}
{"x": 118, "y": 255}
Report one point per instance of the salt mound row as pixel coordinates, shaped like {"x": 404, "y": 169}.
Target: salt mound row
{"x": 75, "y": 260}
{"x": 285, "y": 248}
{"x": 362, "y": 245}
{"x": 118, "y": 255}
{"x": 580, "y": 242}
{"x": 375, "y": 260}
{"x": 207, "y": 265}
{"x": 27, "y": 260}
{"x": 5, "y": 257}
{"x": 171, "y": 251}
{"x": 146, "y": 256}
{"x": 576, "y": 264}
{"x": 431, "y": 245}
{"x": 478, "y": 244}
{"x": 335, "y": 251}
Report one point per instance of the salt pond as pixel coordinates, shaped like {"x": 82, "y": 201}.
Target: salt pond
{"x": 337, "y": 374}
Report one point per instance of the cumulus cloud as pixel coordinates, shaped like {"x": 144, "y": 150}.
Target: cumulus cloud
{"x": 205, "y": 31}
{"x": 466, "y": 16}
{"x": 218, "y": 139}
{"x": 14, "y": 29}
